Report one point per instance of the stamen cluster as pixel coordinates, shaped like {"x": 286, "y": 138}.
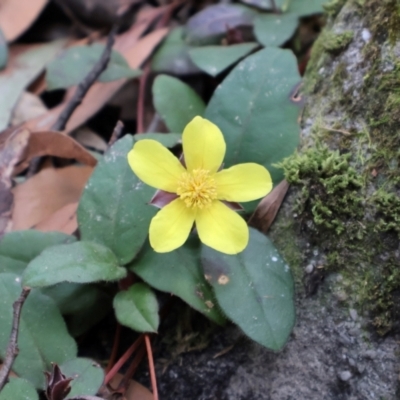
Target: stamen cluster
{"x": 197, "y": 188}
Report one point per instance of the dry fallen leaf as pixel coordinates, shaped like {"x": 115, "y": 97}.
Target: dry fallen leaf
{"x": 55, "y": 144}
{"x": 135, "y": 50}
{"x": 135, "y": 390}
{"x": 17, "y": 16}
{"x": 41, "y": 196}
{"x": 26, "y": 62}
{"x": 10, "y": 154}
{"x": 63, "y": 220}
{"x": 86, "y": 137}
{"x": 29, "y": 106}
{"x": 266, "y": 211}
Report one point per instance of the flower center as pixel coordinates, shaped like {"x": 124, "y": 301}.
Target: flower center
{"x": 197, "y": 188}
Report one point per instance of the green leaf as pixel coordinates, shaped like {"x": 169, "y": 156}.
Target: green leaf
{"x": 300, "y": 7}
{"x": 3, "y": 50}
{"x": 176, "y": 102}
{"x": 254, "y": 110}
{"x": 73, "y": 65}
{"x": 263, "y": 4}
{"x": 137, "y": 308}
{"x": 275, "y": 29}
{"x": 18, "y": 248}
{"x": 73, "y": 297}
{"x": 80, "y": 262}
{"x": 27, "y": 66}
{"x": 87, "y": 376}
{"x": 84, "y": 305}
{"x": 166, "y": 139}
{"x": 254, "y": 289}
{"x": 212, "y": 23}
{"x": 18, "y": 389}
{"x": 172, "y": 56}
{"x": 306, "y": 7}
{"x": 215, "y": 59}
{"x": 114, "y": 209}
{"x": 43, "y": 336}
{"x": 178, "y": 272}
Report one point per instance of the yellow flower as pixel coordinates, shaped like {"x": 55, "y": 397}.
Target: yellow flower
{"x": 201, "y": 191}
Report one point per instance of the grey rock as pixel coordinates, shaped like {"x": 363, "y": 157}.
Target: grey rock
{"x": 345, "y": 375}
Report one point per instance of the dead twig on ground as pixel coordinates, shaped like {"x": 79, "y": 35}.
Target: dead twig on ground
{"x": 80, "y": 92}
{"x": 12, "y": 348}
{"x": 85, "y": 85}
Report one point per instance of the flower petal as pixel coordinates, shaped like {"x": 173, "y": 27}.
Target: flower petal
{"x": 171, "y": 226}
{"x": 243, "y": 182}
{"x": 155, "y": 165}
{"x": 203, "y": 145}
{"x": 222, "y": 229}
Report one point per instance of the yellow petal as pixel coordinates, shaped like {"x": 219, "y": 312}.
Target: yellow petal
{"x": 155, "y": 165}
{"x": 222, "y": 229}
{"x": 243, "y": 182}
{"x": 171, "y": 226}
{"x": 203, "y": 145}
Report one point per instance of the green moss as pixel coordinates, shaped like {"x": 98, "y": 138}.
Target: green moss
{"x": 334, "y": 43}
{"x": 382, "y": 17}
{"x": 330, "y": 187}
{"x": 388, "y": 211}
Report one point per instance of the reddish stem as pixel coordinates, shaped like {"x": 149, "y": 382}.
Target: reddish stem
{"x": 123, "y": 359}
{"x": 131, "y": 370}
{"x": 151, "y": 366}
{"x": 141, "y": 99}
{"x": 114, "y": 350}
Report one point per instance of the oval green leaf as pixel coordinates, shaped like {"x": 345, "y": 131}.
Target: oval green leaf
{"x": 275, "y": 29}
{"x": 80, "y": 262}
{"x": 176, "y": 102}
{"x": 3, "y": 50}
{"x": 306, "y": 7}
{"x": 113, "y": 209}
{"x": 179, "y": 272}
{"x": 172, "y": 56}
{"x": 254, "y": 110}
{"x": 43, "y": 336}
{"x": 87, "y": 377}
{"x": 18, "y": 248}
{"x": 18, "y": 389}
{"x": 212, "y": 23}
{"x": 254, "y": 289}
{"x": 137, "y": 308}
{"x": 85, "y": 305}
{"x": 72, "y": 66}
{"x": 166, "y": 139}
{"x": 215, "y": 59}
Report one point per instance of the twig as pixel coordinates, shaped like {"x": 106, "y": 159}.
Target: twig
{"x": 12, "y": 348}
{"x": 85, "y": 85}
{"x": 116, "y": 133}
{"x": 151, "y": 366}
{"x": 80, "y": 93}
